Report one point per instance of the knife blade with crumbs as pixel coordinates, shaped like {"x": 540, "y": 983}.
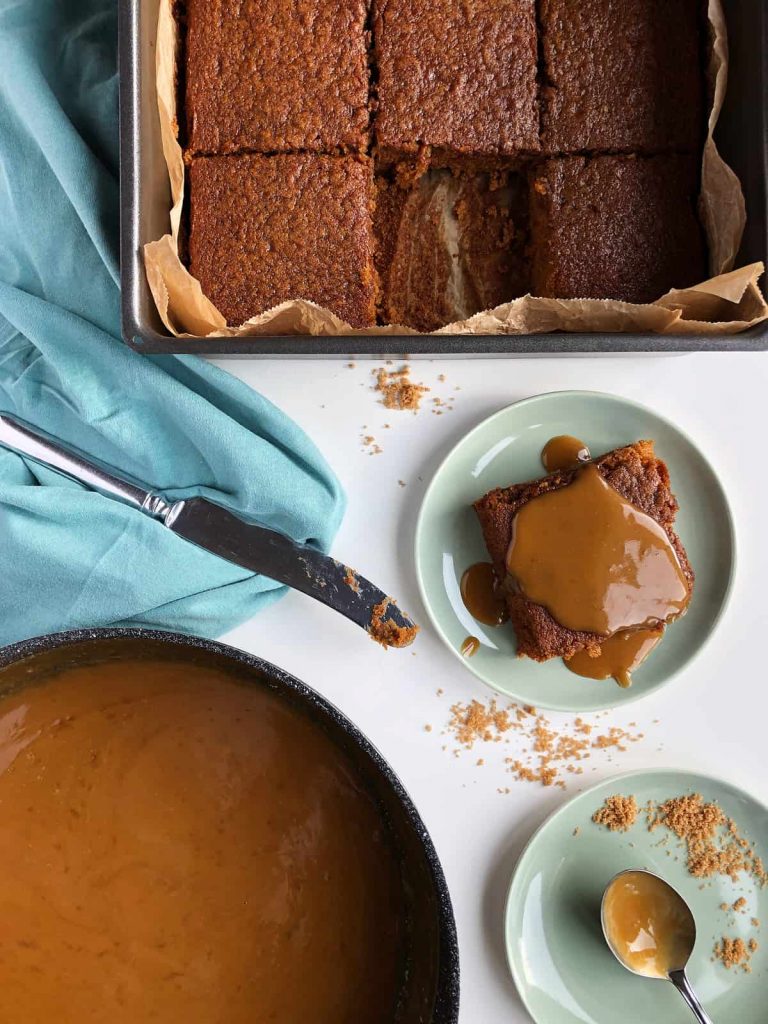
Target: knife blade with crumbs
{"x": 211, "y": 526}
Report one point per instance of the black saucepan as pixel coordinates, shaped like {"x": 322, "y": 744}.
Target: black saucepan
{"x": 431, "y": 980}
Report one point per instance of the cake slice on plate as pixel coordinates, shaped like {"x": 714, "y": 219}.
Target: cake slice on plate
{"x": 638, "y": 477}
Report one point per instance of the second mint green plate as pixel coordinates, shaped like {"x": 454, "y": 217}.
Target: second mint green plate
{"x": 563, "y": 969}
{"x": 505, "y": 449}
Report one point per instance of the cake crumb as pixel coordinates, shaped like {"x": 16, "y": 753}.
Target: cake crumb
{"x": 618, "y": 813}
{"x": 440, "y": 406}
{"x": 397, "y": 390}
{"x": 615, "y": 737}
{"x": 351, "y": 579}
{"x": 548, "y": 754}
{"x": 476, "y": 721}
{"x": 427, "y": 728}
{"x": 401, "y": 483}
{"x": 713, "y": 841}
{"x": 735, "y": 952}
{"x": 386, "y": 632}
{"x": 369, "y": 442}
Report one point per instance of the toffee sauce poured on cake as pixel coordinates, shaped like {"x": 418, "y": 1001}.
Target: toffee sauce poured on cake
{"x": 595, "y": 561}
{"x": 481, "y": 590}
{"x": 482, "y": 596}
{"x": 179, "y": 846}
{"x": 598, "y": 565}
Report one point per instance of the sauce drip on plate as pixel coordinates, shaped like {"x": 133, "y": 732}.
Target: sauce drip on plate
{"x": 470, "y": 647}
{"x": 482, "y": 596}
{"x": 619, "y": 655}
{"x": 564, "y": 452}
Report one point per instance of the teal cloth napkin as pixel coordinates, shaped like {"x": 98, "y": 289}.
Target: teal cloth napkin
{"x": 69, "y": 557}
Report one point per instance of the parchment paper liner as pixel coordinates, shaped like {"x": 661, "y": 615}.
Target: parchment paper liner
{"x": 728, "y": 303}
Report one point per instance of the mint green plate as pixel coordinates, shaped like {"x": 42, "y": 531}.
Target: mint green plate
{"x": 561, "y": 965}
{"x": 505, "y": 449}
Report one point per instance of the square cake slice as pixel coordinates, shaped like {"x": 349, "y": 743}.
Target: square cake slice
{"x": 269, "y": 76}
{"x": 264, "y": 229}
{"x": 622, "y": 75}
{"x": 449, "y": 245}
{"x": 615, "y": 227}
{"x": 456, "y": 76}
{"x": 638, "y": 476}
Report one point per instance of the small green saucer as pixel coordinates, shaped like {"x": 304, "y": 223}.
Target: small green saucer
{"x": 561, "y": 964}
{"x": 506, "y": 448}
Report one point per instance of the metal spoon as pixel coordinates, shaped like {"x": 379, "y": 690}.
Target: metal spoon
{"x": 686, "y": 941}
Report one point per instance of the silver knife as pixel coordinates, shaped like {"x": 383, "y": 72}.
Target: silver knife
{"x": 215, "y": 528}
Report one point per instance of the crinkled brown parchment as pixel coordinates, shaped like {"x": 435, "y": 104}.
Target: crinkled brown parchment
{"x": 728, "y": 303}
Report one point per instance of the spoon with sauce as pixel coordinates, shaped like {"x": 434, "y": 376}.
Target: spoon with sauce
{"x": 650, "y": 930}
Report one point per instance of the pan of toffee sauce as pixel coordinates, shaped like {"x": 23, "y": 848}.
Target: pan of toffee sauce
{"x": 193, "y": 834}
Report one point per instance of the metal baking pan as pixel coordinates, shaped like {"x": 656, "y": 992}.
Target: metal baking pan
{"x": 145, "y": 201}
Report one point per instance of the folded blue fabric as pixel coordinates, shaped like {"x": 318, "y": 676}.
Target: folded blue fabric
{"x": 68, "y": 556}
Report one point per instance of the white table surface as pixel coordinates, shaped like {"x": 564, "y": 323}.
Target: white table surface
{"x": 712, "y": 718}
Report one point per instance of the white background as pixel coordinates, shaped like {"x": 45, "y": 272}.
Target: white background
{"x": 714, "y": 717}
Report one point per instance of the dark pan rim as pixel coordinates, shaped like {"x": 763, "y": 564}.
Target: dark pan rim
{"x": 446, "y": 1009}
{"x": 143, "y": 331}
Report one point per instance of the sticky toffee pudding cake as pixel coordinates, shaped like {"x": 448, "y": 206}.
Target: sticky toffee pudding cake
{"x": 264, "y": 229}
{"x": 622, "y": 77}
{"x": 266, "y": 76}
{"x": 588, "y": 561}
{"x": 383, "y": 158}
{"x": 615, "y": 227}
{"x": 455, "y": 77}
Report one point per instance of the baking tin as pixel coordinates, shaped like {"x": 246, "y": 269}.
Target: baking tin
{"x": 431, "y": 993}
{"x": 742, "y": 136}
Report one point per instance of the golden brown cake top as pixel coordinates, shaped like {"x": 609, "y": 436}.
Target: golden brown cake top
{"x": 457, "y": 75}
{"x": 271, "y": 76}
{"x": 622, "y": 75}
{"x": 611, "y": 227}
{"x": 265, "y": 229}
